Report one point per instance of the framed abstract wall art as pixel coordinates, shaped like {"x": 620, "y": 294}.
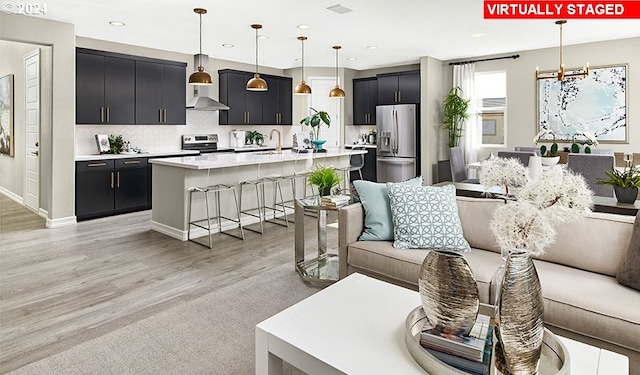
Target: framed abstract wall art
{"x": 596, "y": 104}
{"x": 6, "y": 115}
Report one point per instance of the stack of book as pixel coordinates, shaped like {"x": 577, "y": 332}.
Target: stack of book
{"x": 470, "y": 353}
{"x": 335, "y": 200}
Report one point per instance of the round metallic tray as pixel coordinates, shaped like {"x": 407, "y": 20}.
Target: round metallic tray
{"x": 554, "y": 359}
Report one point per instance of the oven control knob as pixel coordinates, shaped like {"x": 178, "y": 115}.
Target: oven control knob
{"x": 187, "y": 139}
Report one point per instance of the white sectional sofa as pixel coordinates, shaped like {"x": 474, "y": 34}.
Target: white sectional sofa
{"x": 582, "y": 298}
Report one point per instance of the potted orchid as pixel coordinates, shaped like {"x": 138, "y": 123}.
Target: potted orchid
{"x": 549, "y": 156}
{"x": 524, "y": 227}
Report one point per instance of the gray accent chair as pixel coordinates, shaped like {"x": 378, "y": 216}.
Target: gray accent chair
{"x": 459, "y": 166}
{"x": 522, "y": 156}
{"x": 592, "y": 168}
{"x": 528, "y": 149}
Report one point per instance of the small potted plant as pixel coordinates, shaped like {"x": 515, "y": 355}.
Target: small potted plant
{"x": 324, "y": 178}
{"x": 254, "y": 137}
{"x": 315, "y": 120}
{"x": 549, "y": 156}
{"x": 625, "y": 183}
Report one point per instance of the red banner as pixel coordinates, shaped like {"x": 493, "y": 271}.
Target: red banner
{"x": 561, "y": 9}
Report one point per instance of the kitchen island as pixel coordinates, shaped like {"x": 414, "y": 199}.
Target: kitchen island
{"x": 173, "y": 176}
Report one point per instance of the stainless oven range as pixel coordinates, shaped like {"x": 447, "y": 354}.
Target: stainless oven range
{"x": 205, "y": 143}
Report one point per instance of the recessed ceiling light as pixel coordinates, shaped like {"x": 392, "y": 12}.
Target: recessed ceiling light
{"x": 352, "y": 58}
{"x": 228, "y": 45}
{"x": 372, "y": 47}
{"x": 116, "y": 23}
{"x": 303, "y": 27}
{"x": 478, "y": 35}
{"x": 263, "y": 37}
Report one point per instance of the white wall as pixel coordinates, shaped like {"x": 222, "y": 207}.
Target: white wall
{"x": 12, "y": 167}
{"x": 521, "y": 85}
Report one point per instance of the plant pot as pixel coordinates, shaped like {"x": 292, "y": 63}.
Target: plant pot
{"x": 318, "y": 143}
{"x": 550, "y": 160}
{"x": 626, "y": 194}
{"x": 448, "y": 292}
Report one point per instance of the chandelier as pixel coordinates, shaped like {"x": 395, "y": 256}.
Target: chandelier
{"x": 561, "y": 74}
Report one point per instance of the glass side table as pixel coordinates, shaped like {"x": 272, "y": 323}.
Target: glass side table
{"x": 324, "y": 268}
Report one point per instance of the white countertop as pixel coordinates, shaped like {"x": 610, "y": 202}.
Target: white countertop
{"x": 141, "y": 155}
{"x": 365, "y": 145}
{"x": 224, "y": 160}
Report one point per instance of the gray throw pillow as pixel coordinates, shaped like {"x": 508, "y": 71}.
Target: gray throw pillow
{"x": 426, "y": 217}
{"x": 629, "y": 270}
{"x": 377, "y": 212}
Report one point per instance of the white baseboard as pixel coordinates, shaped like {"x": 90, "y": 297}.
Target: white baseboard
{"x": 169, "y": 231}
{"x": 11, "y": 195}
{"x": 43, "y": 213}
{"x": 62, "y": 222}
{"x": 199, "y": 232}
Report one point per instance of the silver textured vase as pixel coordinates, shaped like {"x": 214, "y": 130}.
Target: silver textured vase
{"x": 448, "y": 292}
{"x": 519, "y": 320}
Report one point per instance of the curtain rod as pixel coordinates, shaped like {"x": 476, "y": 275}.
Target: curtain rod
{"x": 490, "y": 59}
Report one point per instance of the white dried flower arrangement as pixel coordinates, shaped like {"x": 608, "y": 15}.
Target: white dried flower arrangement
{"x": 528, "y": 223}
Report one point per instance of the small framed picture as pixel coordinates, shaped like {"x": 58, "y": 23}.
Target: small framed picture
{"x": 102, "y": 140}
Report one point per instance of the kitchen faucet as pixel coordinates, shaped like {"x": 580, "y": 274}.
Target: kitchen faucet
{"x": 279, "y": 143}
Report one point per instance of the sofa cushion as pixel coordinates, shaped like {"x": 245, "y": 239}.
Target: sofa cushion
{"x": 629, "y": 270}
{"x": 590, "y": 304}
{"x": 378, "y": 225}
{"x": 381, "y": 258}
{"x": 426, "y": 217}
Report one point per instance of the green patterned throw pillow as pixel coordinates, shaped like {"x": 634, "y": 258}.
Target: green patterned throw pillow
{"x": 426, "y": 217}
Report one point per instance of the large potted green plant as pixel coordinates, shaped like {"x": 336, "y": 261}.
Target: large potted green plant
{"x": 625, "y": 183}
{"x": 324, "y": 178}
{"x": 315, "y": 120}
{"x": 454, "y": 112}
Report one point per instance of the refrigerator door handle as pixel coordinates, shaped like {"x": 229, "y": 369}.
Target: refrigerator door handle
{"x": 395, "y": 127}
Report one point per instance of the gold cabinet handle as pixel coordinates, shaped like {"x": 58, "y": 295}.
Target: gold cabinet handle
{"x": 108, "y": 114}
{"x": 399, "y": 96}
{"x": 101, "y": 114}
{"x": 97, "y": 165}
{"x": 112, "y": 180}
{"x": 160, "y": 115}
{"x": 164, "y": 115}
{"x": 132, "y": 162}
{"x": 118, "y": 183}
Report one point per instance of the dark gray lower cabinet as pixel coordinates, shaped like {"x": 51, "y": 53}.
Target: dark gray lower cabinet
{"x": 369, "y": 168}
{"x": 108, "y": 187}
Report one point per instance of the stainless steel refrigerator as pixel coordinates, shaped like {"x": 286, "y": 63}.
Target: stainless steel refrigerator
{"x": 397, "y": 156}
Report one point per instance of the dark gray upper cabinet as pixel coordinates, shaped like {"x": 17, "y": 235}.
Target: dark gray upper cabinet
{"x": 365, "y": 100}
{"x": 105, "y": 89}
{"x": 160, "y": 93}
{"x": 113, "y": 88}
{"x": 271, "y": 107}
{"x": 399, "y": 88}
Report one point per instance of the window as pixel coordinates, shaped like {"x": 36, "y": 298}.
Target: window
{"x": 491, "y": 104}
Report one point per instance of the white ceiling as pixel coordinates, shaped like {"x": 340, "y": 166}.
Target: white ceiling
{"x": 403, "y": 30}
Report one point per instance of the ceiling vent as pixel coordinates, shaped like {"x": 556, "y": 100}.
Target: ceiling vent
{"x": 340, "y": 9}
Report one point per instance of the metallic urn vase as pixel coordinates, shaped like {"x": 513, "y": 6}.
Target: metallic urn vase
{"x": 519, "y": 320}
{"x": 449, "y": 292}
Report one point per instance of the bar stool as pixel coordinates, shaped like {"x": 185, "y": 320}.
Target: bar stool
{"x": 356, "y": 162}
{"x": 215, "y": 190}
{"x": 260, "y": 211}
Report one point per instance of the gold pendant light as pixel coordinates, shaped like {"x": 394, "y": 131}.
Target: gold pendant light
{"x": 302, "y": 88}
{"x": 561, "y": 74}
{"x": 256, "y": 83}
{"x": 337, "y": 92}
{"x": 200, "y": 78}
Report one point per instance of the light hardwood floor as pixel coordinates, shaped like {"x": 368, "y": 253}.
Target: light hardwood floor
{"x": 61, "y": 287}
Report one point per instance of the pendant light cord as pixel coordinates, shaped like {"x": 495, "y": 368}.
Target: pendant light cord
{"x": 302, "y": 40}
{"x": 336, "y": 66}
{"x": 200, "y": 55}
{"x": 256, "y": 51}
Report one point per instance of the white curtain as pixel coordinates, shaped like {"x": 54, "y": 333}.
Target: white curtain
{"x": 463, "y": 77}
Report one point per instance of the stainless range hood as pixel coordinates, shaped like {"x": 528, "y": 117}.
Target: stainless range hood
{"x": 201, "y": 100}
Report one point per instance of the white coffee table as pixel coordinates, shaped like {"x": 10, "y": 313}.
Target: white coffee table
{"x": 356, "y": 326}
